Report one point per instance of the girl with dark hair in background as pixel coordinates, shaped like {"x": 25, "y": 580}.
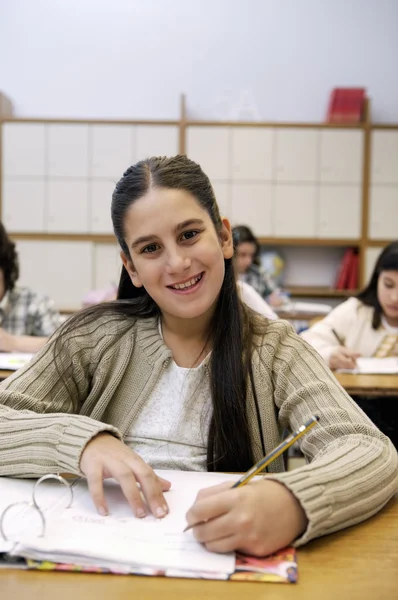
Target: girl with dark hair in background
{"x": 365, "y": 326}
{"x": 248, "y": 266}
{"x": 27, "y": 319}
{"x": 178, "y": 373}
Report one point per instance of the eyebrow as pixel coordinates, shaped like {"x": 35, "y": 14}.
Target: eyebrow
{"x": 179, "y": 227}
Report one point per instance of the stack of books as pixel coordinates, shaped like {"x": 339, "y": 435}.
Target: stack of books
{"x": 346, "y": 105}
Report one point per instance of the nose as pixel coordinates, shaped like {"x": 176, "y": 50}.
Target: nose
{"x": 177, "y": 261}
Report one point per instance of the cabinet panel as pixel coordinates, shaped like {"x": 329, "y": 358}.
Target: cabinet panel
{"x": 222, "y": 190}
{"x": 68, "y": 150}
{"x": 252, "y": 150}
{"x": 383, "y": 217}
{"x": 68, "y": 207}
{"x": 24, "y": 203}
{"x": 209, "y": 146}
{"x": 100, "y": 206}
{"x": 384, "y": 157}
{"x": 296, "y": 156}
{"x": 66, "y": 270}
{"x": 340, "y": 210}
{"x": 295, "y": 210}
{"x": 112, "y": 150}
{"x": 252, "y": 206}
{"x": 107, "y": 265}
{"x": 341, "y": 156}
{"x": 156, "y": 140}
{"x": 24, "y": 150}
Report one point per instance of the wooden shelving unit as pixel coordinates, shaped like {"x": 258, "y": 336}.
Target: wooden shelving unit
{"x": 319, "y": 292}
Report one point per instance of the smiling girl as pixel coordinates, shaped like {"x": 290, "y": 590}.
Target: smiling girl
{"x": 178, "y": 373}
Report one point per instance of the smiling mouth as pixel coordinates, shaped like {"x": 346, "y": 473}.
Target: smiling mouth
{"x": 187, "y": 285}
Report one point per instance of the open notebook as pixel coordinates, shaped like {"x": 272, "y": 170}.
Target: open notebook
{"x": 77, "y": 538}
{"x": 377, "y": 366}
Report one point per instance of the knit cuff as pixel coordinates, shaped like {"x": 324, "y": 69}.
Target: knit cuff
{"x": 75, "y": 438}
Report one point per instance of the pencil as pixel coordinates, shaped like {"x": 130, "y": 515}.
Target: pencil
{"x": 338, "y": 338}
{"x": 271, "y": 456}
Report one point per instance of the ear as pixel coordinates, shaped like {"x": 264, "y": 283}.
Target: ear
{"x": 226, "y": 239}
{"x": 128, "y": 265}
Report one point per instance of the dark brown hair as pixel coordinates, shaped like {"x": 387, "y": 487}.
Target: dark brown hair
{"x": 231, "y": 332}
{"x": 8, "y": 260}
{"x": 242, "y": 234}
{"x": 387, "y": 261}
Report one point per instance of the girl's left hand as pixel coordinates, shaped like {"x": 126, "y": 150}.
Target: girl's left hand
{"x": 258, "y": 519}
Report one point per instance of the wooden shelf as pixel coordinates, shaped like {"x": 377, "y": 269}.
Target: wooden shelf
{"x": 97, "y": 238}
{"x": 268, "y": 241}
{"x": 319, "y": 292}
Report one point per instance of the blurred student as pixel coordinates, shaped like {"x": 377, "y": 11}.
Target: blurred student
{"x": 364, "y": 326}
{"x": 27, "y": 319}
{"x": 249, "y": 270}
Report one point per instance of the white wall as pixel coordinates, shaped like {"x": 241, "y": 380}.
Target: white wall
{"x": 132, "y": 58}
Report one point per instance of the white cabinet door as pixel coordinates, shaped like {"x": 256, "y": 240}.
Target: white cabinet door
{"x": 209, "y": 146}
{"x": 24, "y": 203}
{"x": 341, "y": 156}
{"x": 67, "y": 150}
{"x": 383, "y": 217}
{"x": 24, "y": 153}
{"x": 222, "y": 190}
{"x": 252, "y": 149}
{"x": 68, "y": 207}
{"x": 296, "y": 155}
{"x": 340, "y": 211}
{"x": 107, "y": 265}
{"x": 295, "y": 211}
{"x": 65, "y": 272}
{"x": 156, "y": 140}
{"x": 384, "y": 157}
{"x": 111, "y": 150}
{"x": 252, "y": 206}
{"x": 100, "y": 206}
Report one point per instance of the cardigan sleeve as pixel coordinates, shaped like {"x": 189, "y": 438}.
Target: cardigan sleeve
{"x": 321, "y": 335}
{"x": 352, "y": 468}
{"x": 40, "y": 429}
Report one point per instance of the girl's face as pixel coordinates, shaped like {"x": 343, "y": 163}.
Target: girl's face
{"x": 387, "y": 293}
{"x": 245, "y": 253}
{"x": 176, "y": 253}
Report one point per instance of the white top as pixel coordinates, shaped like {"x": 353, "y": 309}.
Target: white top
{"x": 352, "y": 321}
{"x": 170, "y": 432}
{"x": 388, "y": 327}
{"x": 253, "y": 299}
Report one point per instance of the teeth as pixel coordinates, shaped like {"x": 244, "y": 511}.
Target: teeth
{"x": 187, "y": 284}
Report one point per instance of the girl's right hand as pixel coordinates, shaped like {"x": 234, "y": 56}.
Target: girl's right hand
{"x": 106, "y": 456}
{"x": 342, "y": 358}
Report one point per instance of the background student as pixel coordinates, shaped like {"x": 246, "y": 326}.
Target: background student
{"x": 27, "y": 319}
{"x": 249, "y": 268}
{"x": 179, "y": 374}
{"x": 365, "y": 326}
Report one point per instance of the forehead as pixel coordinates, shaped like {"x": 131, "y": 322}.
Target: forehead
{"x": 246, "y": 248}
{"x": 390, "y": 275}
{"x": 160, "y": 209}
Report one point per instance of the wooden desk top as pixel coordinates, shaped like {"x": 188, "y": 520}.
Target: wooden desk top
{"x": 369, "y": 385}
{"x": 5, "y": 373}
{"x": 359, "y": 563}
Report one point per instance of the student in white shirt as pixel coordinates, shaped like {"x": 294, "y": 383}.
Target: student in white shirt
{"x": 365, "y": 326}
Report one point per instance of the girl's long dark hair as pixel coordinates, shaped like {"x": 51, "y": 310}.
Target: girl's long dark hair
{"x": 387, "y": 261}
{"x": 229, "y": 446}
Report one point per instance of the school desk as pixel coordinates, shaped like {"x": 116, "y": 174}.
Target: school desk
{"x": 368, "y": 385}
{"x": 359, "y": 563}
{"x": 5, "y": 373}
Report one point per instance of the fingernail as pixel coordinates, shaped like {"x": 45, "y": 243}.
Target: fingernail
{"x": 140, "y": 513}
{"x": 102, "y": 511}
{"x": 160, "y": 511}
